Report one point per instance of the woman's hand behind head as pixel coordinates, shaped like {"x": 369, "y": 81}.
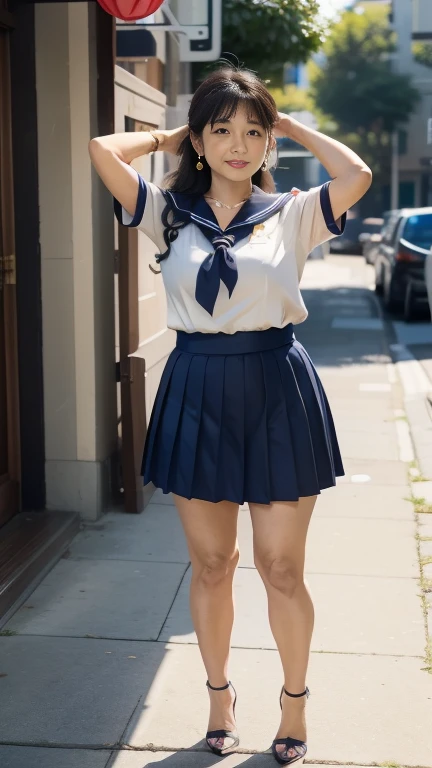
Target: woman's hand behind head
{"x": 172, "y": 139}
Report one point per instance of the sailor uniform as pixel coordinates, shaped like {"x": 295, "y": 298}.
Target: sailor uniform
{"x": 240, "y": 414}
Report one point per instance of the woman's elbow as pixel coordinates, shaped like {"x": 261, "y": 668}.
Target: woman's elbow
{"x": 94, "y": 146}
{"x": 366, "y": 176}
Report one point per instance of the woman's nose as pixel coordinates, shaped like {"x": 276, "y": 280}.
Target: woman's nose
{"x": 239, "y": 145}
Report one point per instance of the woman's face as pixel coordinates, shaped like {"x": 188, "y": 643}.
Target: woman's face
{"x": 236, "y": 148}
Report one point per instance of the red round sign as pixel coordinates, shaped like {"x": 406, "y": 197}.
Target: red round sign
{"x": 130, "y": 10}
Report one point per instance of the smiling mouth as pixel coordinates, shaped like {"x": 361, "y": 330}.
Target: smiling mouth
{"x": 237, "y": 163}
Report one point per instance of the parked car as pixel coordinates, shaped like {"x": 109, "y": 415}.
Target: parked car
{"x": 357, "y": 233}
{"x": 371, "y": 237}
{"x": 400, "y": 260}
{"x": 428, "y": 278}
{"x": 348, "y": 242}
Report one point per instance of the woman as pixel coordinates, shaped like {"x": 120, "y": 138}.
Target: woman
{"x": 241, "y": 414}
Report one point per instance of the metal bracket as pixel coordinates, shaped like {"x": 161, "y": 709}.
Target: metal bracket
{"x": 123, "y": 371}
{"x": 7, "y": 270}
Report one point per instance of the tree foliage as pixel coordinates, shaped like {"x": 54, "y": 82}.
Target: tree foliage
{"x": 266, "y": 34}
{"x": 360, "y": 98}
{"x": 422, "y": 53}
{"x": 356, "y": 85}
{"x": 292, "y": 99}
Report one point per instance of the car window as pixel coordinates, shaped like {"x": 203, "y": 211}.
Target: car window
{"x": 418, "y": 230}
{"x": 398, "y": 233}
{"x": 390, "y": 229}
{"x": 387, "y": 215}
{"x": 373, "y": 229}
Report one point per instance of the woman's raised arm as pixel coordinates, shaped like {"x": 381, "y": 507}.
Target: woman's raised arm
{"x": 111, "y": 156}
{"x": 351, "y": 177}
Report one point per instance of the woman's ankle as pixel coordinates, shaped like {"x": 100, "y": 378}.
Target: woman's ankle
{"x": 217, "y": 682}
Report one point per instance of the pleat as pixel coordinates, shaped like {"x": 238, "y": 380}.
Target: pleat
{"x": 206, "y": 474}
{"x": 316, "y": 408}
{"x": 257, "y": 478}
{"x": 183, "y": 460}
{"x": 153, "y": 426}
{"x": 253, "y": 427}
{"x": 304, "y": 457}
{"x": 169, "y": 421}
{"x": 318, "y": 424}
{"x": 231, "y": 452}
{"x": 338, "y": 467}
{"x": 279, "y": 442}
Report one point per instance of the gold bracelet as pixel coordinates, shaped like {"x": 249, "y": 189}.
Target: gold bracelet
{"x": 156, "y": 142}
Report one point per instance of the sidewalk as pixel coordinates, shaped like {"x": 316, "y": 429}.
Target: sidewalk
{"x": 104, "y": 670}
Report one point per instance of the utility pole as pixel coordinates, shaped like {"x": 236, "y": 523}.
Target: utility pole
{"x": 394, "y": 203}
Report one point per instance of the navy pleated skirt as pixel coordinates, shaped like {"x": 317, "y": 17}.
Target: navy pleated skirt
{"x": 242, "y": 418}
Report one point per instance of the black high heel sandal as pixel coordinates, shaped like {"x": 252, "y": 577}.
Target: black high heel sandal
{"x": 300, "y": 747}
{"x": 221, "y": 734}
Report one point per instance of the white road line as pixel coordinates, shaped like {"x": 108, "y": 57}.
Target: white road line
{"x": 360, "y": 478}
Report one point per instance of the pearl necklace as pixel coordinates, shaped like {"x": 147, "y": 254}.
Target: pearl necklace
{"x": 219, "y": 204}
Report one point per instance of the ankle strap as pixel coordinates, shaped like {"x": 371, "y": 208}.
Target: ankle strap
{"x": 223, "y": 688}
{"x": 306, "y": 692}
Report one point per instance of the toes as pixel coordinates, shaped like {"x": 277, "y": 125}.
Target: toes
{"x": 218, "y": 743}
{"x": 222, "y": 743}
{"x": 289, "y": 753}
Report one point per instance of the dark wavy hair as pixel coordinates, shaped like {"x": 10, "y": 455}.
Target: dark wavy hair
{"x": 217, "y": 98}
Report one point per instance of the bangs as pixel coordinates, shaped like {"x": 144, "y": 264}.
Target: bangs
{"x": 223, "y": 104}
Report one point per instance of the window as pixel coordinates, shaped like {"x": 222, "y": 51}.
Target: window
{"x": 390, "y": 228}
{"x": 418, "y": 230}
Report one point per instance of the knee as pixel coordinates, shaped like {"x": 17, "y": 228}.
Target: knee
{"x": 216, "y": 567}
{"x": 281, "y": 572}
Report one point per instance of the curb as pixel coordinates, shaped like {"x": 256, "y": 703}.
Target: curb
{"x": 416, "y": 391}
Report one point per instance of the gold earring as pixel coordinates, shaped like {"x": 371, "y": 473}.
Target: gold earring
{"x": 265, "y": 164}
{"x": 199, "y": 165}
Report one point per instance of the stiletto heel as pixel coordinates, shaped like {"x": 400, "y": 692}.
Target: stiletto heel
{"x": 222, "y": 734}
{"x": 300, "y": 747}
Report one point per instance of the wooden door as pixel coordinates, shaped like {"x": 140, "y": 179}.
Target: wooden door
{"x": 9, "y": 409}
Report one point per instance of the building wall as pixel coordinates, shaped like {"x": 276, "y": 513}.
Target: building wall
{"x": 77, "y": 250}
{"x": 411, "y": 168}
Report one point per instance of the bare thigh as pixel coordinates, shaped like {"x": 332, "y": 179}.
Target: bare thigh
{"x": 279, "y": 534}
{"x": 210, "y": 530}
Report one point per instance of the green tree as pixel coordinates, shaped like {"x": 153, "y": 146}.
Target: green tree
{"x": 292, "y": 99}
{"x": 266, "y": 34}
{"x": 357, "y": 89}
{"x": 422, "y": 53}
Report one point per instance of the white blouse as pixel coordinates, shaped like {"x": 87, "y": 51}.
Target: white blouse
{"x": 271, "y": 237}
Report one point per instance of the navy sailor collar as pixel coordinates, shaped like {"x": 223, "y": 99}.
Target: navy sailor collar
{"x": 220, "y": 264}
{"x": 257, "y": 208}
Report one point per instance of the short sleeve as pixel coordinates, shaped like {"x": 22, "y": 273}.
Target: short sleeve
{"x": 312, "y": 222}
{"x": 148, "y": 212}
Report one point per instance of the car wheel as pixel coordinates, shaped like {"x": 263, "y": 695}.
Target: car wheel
{"x": 378, "y": 281}
{"x": 409, "y": 304}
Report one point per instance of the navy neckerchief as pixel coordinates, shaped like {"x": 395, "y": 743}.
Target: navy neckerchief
{"x": 221, "y": 264}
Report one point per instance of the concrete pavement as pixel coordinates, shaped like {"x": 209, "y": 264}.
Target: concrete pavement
{"x": 104, "y": 670}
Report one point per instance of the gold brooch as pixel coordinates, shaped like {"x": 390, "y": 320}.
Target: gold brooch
{"x": 257, "y": 228}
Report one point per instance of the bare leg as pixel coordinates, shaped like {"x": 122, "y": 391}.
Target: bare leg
{"x": 280, "y": 531}
{"x": 211, "y": 534}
